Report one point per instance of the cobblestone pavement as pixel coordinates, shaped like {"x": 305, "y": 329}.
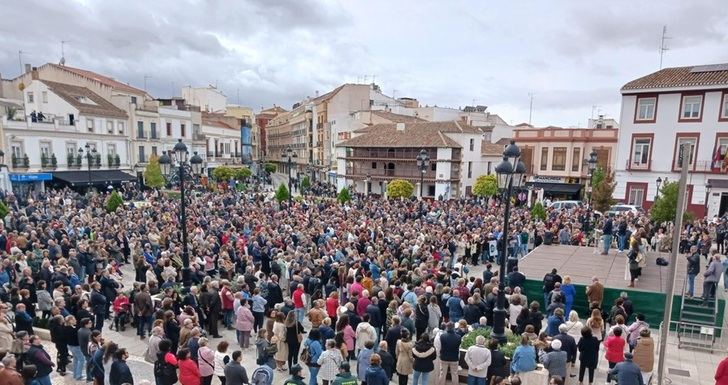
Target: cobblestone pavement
{"x": 700, "y": 366}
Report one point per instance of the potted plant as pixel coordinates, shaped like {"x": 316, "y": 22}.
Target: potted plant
{"x": 117, "y": 160}
{"x": 79, "y": 159}
{"x": 54, "y": 161}
{"x": 110, "y": 160}
{"x": 98, "y": 160}
{"x": 69, "y": 159}
{"x": 43, "y": 160}
{"x": 14, "y": 160}
{"x": 26, "y": 161}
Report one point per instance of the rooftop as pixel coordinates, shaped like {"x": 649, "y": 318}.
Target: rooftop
{"x": 414, "y": 134}
{"x": 397, "y": 118}
{"x": 86, "y": 101}
{"x": 105, "y": 80}
{"x": 703, "y": 75}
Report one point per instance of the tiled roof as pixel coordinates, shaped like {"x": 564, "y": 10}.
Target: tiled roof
{"x": 273, "y": 110}
{"x": 415, "y": 134}
{"x": 491, "y": 149}
{"x": 397, "y": 118}
{"x": 105, "y": 80}
{"x": 682, "y": 77}
{"x": 74, "y": 96}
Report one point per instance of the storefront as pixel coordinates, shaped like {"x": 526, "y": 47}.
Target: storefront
{"x": 25, "y": 183}
{"x": 556, "y": 188}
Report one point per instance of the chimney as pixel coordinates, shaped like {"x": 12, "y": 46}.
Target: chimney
{"x": 34, "y": 73}
{"x": 400, "y": 127}
{"x": 27, "y": 68}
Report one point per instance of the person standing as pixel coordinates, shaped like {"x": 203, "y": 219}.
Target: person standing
{"x": 614, "y": 346}
{"x": 424, "y": 360}
{"x": 70, "y": 333}
{"x": 120, "y": 372}
{"x": 344, "y": 377}
{"x": 588, "y": 347}
{"x": 37, "y": 356}
{"x": 143, "y": 309}
{"x": 206, "y": 361}
{"x": 244, "y": 321}
{"x": 721, "y": 373}
{"x": 363, "y": 359}
{"x": 626, "y": 372}
{"x": 693, "y": 269}
{"x": 404, "y": 357}
{"x": 84, "y": 336}
{"x": 555, "y": 360}
{"x": 607, "y": 233}
{"x": 375, "y": 374}
{"x": 712, "y": 276}
{"x": 478, "y": 359}
{"x": 595, "y": 292}
{"x": 568, "y": 290}
{"x": 644, "y": 354}
{"x": 524, "y": 357}
{"x": 258, "y": 309}
{"x": 235, "y": 373}
{"x": 449, "y": 354}
{"x": 313, "y": 344}
{"x": 329, "y": 362}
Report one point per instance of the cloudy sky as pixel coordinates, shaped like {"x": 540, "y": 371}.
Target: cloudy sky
{"x": 571, "y": 55}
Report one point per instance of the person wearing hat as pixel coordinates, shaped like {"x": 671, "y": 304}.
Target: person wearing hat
{"x": 555, "y": 360}
{"x": 627, "y": 372}
{"x": 296, "y": 378}
{"x": 344, "y": 377}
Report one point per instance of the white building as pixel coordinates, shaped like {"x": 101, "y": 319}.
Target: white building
{"x": 209, "y": 98}
{"x": 222, "y": 140}
{"x": 667, "y": 109}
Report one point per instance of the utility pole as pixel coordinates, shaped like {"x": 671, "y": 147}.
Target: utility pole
{"x": 20, "y": 60}
{"x": 145, "y": 81}
{"x": 530, "y": 107}
{"x": 670, "y": 292}
{"x": 663, "y": 44}
{"x": 63, "y": 51}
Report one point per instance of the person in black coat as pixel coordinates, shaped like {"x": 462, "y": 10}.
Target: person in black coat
{"x": 421, "y": 315}
{"x": 516, "y": 278}
{"x": 393, "y": 334}
{"x": 375, "y": 316}
{"x": 275, "y": 294}
{"x": 498, "y": 365}
{"x": 588, "y": 354}
{"x": 387, "y": 359}
{"x": 424, "y": 355}
{"x": 98, "y": 305}
{"x": 471, "y": 312}
{"x": 120, "y": 372}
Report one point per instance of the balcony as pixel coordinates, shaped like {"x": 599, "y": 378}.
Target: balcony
{"x": 405, "y": 154}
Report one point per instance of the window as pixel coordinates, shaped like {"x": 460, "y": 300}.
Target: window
{"x": 142, "y": 158}
{"x": 721, "y": 151}
{"x": 472, "y": 144}
{"x": 183, "y": 133}
{"x": 17, "y": 150}
{"x": 544, "y": 158}
{"x": 691, "y": 142}
{"x": 154, "y": 150}
{"x": 45, "y": 149}
{"x": 90, "y": 125}
{"x": 374, "y": 165}
{"x": 44, "y": 96}
{"x": 646, "y": 107}
{"x": 30, "y": 98}
{"x": 559, "y": 161}
{"x": 71, "y": 150}
{"x": 133, "y": 100}
{"x": 636, "y": 196}
{"x": 120, "y": 127}
{"x": 110, "y": 126}
{"x": 433, "y": 166}
{"x": 153, "y": 127}
{"x": 111, "y": 149}
{"x": 641, "y": 152}
{"x": 724, "y": 107}
{"x": 576, "y": 159}
{"x": 470, "y": 169}
{"x": 169, "y": 129}
{"x": 691, "y": 106}
{"x": 140, "y": 130}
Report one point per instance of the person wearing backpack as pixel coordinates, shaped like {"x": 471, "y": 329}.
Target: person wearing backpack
{"x": 310, "y": 354}
{"x": 165, "y": 368}
{"x": 262, "y": 375}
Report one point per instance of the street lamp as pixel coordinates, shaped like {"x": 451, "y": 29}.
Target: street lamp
{"x": 658, "y": 182}
{"x": 423, "y": 161}
{"x": 369, "y": 184}
{"x": 592, "y": 166}
{"x": 193, "y": 167}
{"x": 290, "y": 155}
{"x": 708, "y": 187}
{"x": 90, "y": 156}
{"x": 510, "y": 174}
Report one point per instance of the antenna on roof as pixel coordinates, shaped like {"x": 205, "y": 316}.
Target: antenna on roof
{"x": 63, "y": 52}
{"x": 663, "y": 44}
{"x": 20, "y": 60}
{"x": 530, "y": 107}
{"x": 145, "y": 82}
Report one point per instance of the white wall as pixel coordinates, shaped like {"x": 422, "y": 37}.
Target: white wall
{"x": 208, "y": 99}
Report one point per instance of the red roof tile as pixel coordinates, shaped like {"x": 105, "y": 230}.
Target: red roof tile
{"x": 682, "y": 77}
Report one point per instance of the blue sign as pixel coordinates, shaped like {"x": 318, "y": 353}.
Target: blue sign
{"x": 30, "y": 177}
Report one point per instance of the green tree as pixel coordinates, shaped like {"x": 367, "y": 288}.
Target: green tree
{"x": 305, "y": 183}
{"x": 598, "y": 176}
{"x": 486, "y": 186}
{"x": 400, "y": 188}
{"x": 603, "y": 191}
{"x": 282, "y": 193}
{"x": 223, "y": 173}
{"x": 538, "y": 212}
{"x": 115, "y": 200}
{"x": 270, "y": 168}
{"x": 344, "y": 196}
{"x": 243, "y": 173}
{"x": 3, "y": 210}
{"x": 665, "y": 207}
{"x": 153, "y": 173}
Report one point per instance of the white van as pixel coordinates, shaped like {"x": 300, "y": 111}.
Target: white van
{"x": 569, "y": 205}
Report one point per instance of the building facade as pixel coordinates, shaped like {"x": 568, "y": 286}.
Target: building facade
{"x": 292, "y": 130}
{"x": 662, "y": 112}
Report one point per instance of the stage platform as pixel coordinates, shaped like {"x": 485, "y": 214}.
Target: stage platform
{"x": 581, "y": 264}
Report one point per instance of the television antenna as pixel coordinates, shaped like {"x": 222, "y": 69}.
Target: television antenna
{"x": 663, "y": 44}
{"x": 63, "y": 51}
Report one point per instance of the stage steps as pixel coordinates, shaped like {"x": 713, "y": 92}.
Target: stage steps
{"x": 696, "y": 328}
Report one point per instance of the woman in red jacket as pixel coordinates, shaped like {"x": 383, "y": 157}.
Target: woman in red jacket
{"x": 614, "y": 346}
{"x": 721, "y": 374}
{"x": 189, "y": 373}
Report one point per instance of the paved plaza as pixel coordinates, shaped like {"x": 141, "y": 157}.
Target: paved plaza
{"x": 685, "y": 367}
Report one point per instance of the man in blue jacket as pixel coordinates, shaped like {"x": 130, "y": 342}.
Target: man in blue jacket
{"x": 449, "y": 354}
{"x": 627, "y": 372}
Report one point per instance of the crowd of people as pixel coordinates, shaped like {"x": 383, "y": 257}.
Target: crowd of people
{"x": 380, "y": 285}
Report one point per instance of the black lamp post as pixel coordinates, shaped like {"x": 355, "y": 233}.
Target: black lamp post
{"x": 90, "y": 156}
{"x": 708, "y": 187}
{"x": 423, "y": 161}
{"x": 658, "y": 182}
{"x": 369, "y": 184}
{"x": 510, "y": 174}
{"x": 289, "y": 154}
{"x": 194, "y": 167}
{"x": 592, "y": 166}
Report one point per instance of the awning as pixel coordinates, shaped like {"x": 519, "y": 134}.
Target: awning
{"x": 718, "y": 183}
{"x": 557, "y": 188}
{"x": 97, "y": 177}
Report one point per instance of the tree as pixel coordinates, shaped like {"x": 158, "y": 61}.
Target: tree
{"x": 305, "y": 183}
{"x": 602, "y": 192}
{"x": 270, "y": 168}
{"x": 344, "y": 195}
{"x": 538, "y": 212}
{"x": 115, "y": 200}
{"x": 153, "y": 173}
{"x": 665, "y": 207}
{"x": 223, "y": 173}
{"x": 242, "y": 173}
{"x": 282, "y": 193}
{"x": 486, "y": 186}
{"x": 400, "y": 188}
{"x": 3, "y": 210}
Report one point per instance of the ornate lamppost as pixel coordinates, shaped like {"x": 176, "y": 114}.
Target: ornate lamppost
{"x": 289, "y": 154}
{"x": 423, "y": 161}
{"x": 90, "y": 156}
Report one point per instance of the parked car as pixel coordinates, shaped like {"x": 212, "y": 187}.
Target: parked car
{"x": 569, "y": 205}
{"x": 623, "y": 209}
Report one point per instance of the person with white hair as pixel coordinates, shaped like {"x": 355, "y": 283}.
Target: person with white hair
{"x": 478, "y": 359}
{"x": 555, "y": 360}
